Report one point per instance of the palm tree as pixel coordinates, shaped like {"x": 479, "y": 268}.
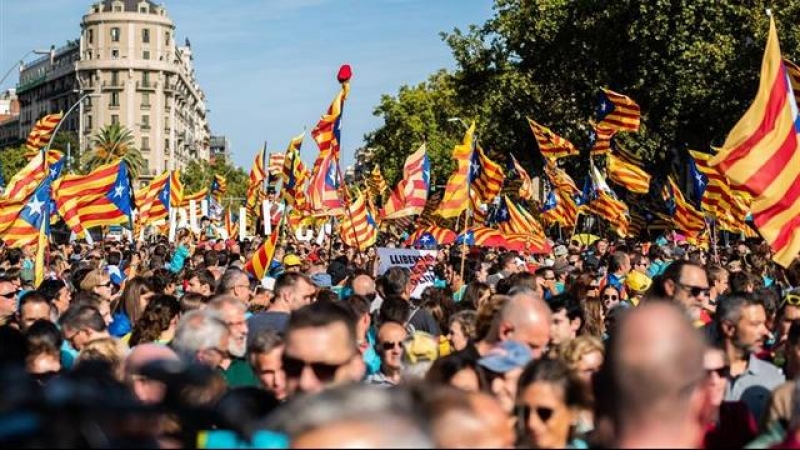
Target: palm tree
{"x": 111, "y": 143}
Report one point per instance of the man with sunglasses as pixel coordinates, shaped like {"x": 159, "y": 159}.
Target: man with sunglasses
{"x": 391, "y": 336}
{"x": 292, "y": 291}
{"x": 321, "y": 349}
{"x": 8, "y": 301}
{"x": 685, "y": 283}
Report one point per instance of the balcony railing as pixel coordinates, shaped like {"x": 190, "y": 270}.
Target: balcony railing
{"x": 146, "y": 86}
{"x": 113, "y": 84}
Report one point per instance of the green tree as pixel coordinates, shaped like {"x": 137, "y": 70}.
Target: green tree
{"x": 692, "y": 65}
{"x": 111, "y": 143}
{"x": 199, "y": 174}
{"x": 12, "y": 159}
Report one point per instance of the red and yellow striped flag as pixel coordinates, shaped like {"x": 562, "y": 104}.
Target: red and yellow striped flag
{"x": 28, "y": 178}
{"x": 601, "y": 141}
{"x": 718, "y": 197}
{"x": 358, "y": 227}
{"x": 551, "y": 145}
{"x": 486, "y": 176}
{"x": 686, "y": 217}
{"x": 231, "y": 226}
{"x": 456, "y": 193}
{"x": 627, "y": 175}
{"x": 262, "y": 258}
{"x": 617, "y": 112}
{"x": 295, "y": 174}
{"x": 761, "y": 155}
{"x": 41, "y": 133}
{"x": 411, "y": 194}
{"x": 794, "y": 77}
{"x": 560, "y": 178}
{"x": 327, "y": 132}
{"x": 375, "y": 182}
{"x": 526, "y": 188}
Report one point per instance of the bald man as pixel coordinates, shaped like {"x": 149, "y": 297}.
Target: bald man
{"x": 364, "y": 286}
{"x": 476, "y": 420}
{"x": 657, "y": 380}
{"x": 146, "y": 390}
{"x": 524, "y": 317}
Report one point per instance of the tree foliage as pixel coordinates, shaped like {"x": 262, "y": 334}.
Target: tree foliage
{"x": 111, "y": 143}
{"x": 692, "y": 65}
{"x": 200, "y": 174}
{"x": 12, "y": 159}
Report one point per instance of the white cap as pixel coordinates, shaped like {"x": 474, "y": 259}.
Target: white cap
{"x": 268, "y": 283}
{"x": 549, "y": 262}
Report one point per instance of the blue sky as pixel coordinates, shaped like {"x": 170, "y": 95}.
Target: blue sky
{"x": 268, "y": 66}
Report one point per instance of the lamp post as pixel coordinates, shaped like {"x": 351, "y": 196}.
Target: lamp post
{"x": 21, "y": 62}
{"x": 61, "y": 122}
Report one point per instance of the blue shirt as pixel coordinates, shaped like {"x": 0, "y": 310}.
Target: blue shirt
{"x": 371, "y": 358}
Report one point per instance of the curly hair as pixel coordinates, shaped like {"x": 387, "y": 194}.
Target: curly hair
{"x": 158, "y": 314}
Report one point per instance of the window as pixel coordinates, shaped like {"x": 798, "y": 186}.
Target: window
{"x": 145, "y": 143}
{"x": 88, "y": 54}
{"x": 166, "y": 35}
{"x": 146, "y": 35}
{"x": 145, "y": 78}
{"x": 145, "y": 122}
{"x": 143, "y": 9}
{"x": 87, "y": 126}
{"x": 114, "y": 99}
{"x": 166, "y": 146}
{"x": 114, "y": 119}
{"x": 145, "y": 99}
{"x": 146, "y": 54}
{"x": 90, "y": 36}
{"x": 114, "y": 78}
{"x": 115, "y": 34}
{"x": 114, "y": 54}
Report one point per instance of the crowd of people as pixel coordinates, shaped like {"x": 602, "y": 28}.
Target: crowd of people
{"x": 616, "y": 343}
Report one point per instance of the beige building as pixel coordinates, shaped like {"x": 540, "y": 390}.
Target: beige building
{"x": 127, "y": 59}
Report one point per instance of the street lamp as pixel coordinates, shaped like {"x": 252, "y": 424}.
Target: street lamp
{"x": 61, "y": 122}
{"x": 21, "y": 62}
{"x": 458, "y": 119}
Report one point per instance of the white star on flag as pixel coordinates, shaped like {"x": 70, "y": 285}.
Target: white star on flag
{"x": 119, "y": 190}
{"x": 35, "y": 206}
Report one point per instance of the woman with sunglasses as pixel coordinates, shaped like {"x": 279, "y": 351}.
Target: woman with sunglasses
{"x": 610, "y": 297}
{"x": 732, "y": 425}
{"x": 549, "y": 398}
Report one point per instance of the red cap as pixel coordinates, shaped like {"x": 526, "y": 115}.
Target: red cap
{"x": 345, "y": 73}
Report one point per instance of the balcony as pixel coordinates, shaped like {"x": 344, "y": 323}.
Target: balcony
{"x": 145, "y": 126}
{"x": 146, "y": 86}
{"x": 113, "y": 85}
{"x": 145, "y": 107}
{"x": 145, "y": 149}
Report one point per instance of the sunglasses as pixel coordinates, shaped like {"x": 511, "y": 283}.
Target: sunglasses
{"x": 792, "y": 300}
{"x": 722, "y": 372}
{"x": 544, "y": 414}
{"x": 695, "y": 291}
{"x": 293, "y": 368}
{"x": 610, "y": 297}
{"x": 11, "y": 294}
{"x": 391, "y": 345}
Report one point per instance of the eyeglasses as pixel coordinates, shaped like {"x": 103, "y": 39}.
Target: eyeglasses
{"x": 544, "y": 413}
{"x": 107, "y": 284}
{"x": 722, "y": 372}
{"x": 293, "y": 368}
{"x": 11, "y": 294}
{"x": 95, "y": 258}
{"x": 391, "y": 345}
{"x": 695, "y": 291}
{"x": 610, "y": 297}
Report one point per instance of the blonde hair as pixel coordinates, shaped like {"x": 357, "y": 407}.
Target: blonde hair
{"x": 108, "y": 350}
{"x": 576, "y": 349}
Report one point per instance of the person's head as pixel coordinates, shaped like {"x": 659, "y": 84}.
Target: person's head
{"x": 235, "y": 282}
{"x": 292, "y": 263}
{"x": 146, "y": 390}
{"x": 524, "y": 318}
{"x": 8, "y": 298}
{"x": 715, "y": 362}
{"x": 619, "y": 263}
{"x": 34, "y": 306}
{"x": 741, "y": 282}
{"x": 610, "y": 297}
{"x": 265, "y": 354}
{"x": 718, "y": 280}
{"x": 158, "y": 321}
{"x": 457, "y": 370}
{"x": 475, "y": 294}
{"x": 687, "y": 284}
{"x": 396, "y": 282}
{"x": 82, "y": 324}
{"x": 106, "y": 350}
{"x": 202, "y": 336}
{"x": 653, "y": 383}
{"x": 98, "y": 282}
{"x": 232, "y": 310}
{"x": 549, "y": 397}
{"x": 640, "y": 263}
{"x": 364, "y": 285}
{"x": 360, "y": 306}
{"x": 567, "y": 319}
{"x": 201, "y": 282}
{"x": 462, "y": 329}
{"x": 293, "y": 291}
{"x": 353, "y": 416}
{"x": 192, "y": 301}
{"x": 584, "y": 355}
{"x": 135, "y": 296}
{"x": 43, "y": 345}
{"x": 57, "y": 292}
{"x": 788, "y": 312}
{"x": 503, "y": 365}
{"x": 321, "y": 348}
{"x": 389, "y": 345}
{"x": 742, "y": 322}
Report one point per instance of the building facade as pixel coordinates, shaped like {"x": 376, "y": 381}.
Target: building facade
{"x": 9, "y": 119}
{"x": 220, "y": 147}
{"x": 127, "y": 60}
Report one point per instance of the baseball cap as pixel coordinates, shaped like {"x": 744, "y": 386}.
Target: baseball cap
{"x": 506, "y": 356}
{"x": 291, "y": 260}
{"x": 322, "y": 280}
{"x": 420, "y": 347}
{"x": 638, "y": 282}
{"x": 93, "y": 279}
{"x": 560, "y": 250}
{"x": 268, "y": 283}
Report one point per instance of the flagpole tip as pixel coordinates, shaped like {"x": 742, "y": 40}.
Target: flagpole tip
{"x": 769, "y": 12}
{"x": 345, "y": 73}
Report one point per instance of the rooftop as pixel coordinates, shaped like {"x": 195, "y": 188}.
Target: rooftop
{"x": 129, "y": 5}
